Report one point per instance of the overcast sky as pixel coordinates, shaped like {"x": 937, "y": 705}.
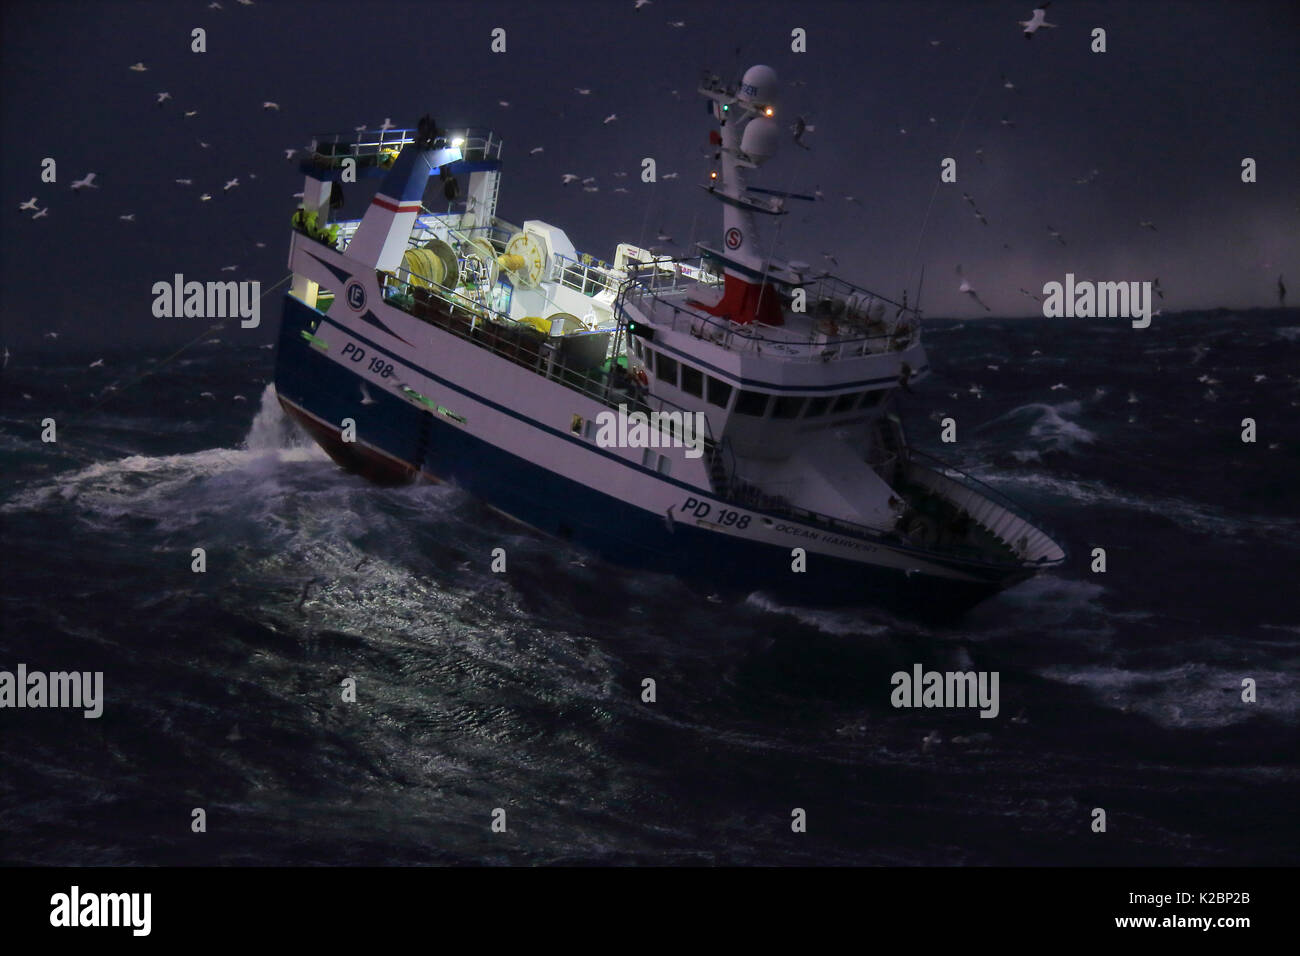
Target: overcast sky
{"x": 1165, "y": 117}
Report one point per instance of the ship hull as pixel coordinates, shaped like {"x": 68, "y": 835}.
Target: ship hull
{"x": 405, "y": 442}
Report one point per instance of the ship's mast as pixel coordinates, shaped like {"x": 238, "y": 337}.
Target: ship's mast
{"x": 746, "y": 137}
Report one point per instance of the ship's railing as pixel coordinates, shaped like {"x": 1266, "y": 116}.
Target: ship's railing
{"x": 373, "y": 145}
{"x": 1036, "y": 530}
{"x": 468, "y": 319}
{"x": 657, "y": 284}
{"x": 589, "y": 276}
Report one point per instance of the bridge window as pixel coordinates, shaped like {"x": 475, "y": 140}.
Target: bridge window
{"x": 692, "y": 381}
{"x": 665, "y": 465}
{"x": 719, "y": 392}
{"x": 817, "y": 406}
{"x": 752, "y": 403}
{"x": 788, "y": 406}
{"x": 667, "y": 370}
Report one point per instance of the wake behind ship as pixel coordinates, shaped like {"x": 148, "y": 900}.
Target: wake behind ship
{"x": 458, "y": 347}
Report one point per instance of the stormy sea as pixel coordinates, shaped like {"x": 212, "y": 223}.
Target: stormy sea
{"x": 223, "y": 690}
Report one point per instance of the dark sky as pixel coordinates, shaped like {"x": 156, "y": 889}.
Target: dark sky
{"x": 1184, "y": 93}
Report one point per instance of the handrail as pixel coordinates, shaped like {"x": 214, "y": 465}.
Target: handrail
{"x": 645, "y": 281}
{"x": 599, "y": 386}
{"x": 998, "y": 497}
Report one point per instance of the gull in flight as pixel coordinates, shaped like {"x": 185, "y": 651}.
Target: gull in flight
{"x": 1007, "y": 122}
{"x": 569, "y": 178}
{"x": 185, "y": 182}
{"x": 288, "y": 153}
{"x": 268, "y": 105}
{"x": 591, "y": 189}
{"x": 204, "y": 198}
{"x": 1007, "y": 84}
{"x": 504, "y": 104}
{"x": 1155, "y": 287}
{"x": 366, "y": 398}
{"x": 137, "y": 67}
{"x": 51, "y": 335}
{"x": 1055, "y": 235}
{"x": 203, "y": 145}
{"x": 229, "y": 268}
{"x": 979, "y": 154}
{"x": 641, "y": 3}
{"x": 901, "y": 130}
{"x": 935, "y": 42}
{"x": 129, "y": 217}
{"x": 620, "y": 189}
{"x": 386, "y": 125}
{"x": 851, "y": 199}
{"x": 833, "y": 260}
{"x": 98, "y": 363}
{"x": 582, "y": 91}
{"x": 677, "y": 23}
{"x": 30, "y": 204}
{"x": 1036, "y": 298}
{"x": 536, "y": 149}
{"x": 589, "y": 180}
{"x": 969, "y": 199}
{"x": 663, "y": 235}
{"x": 87, "y": 183}
{"x": 1059, "y": 387}
{"x": 980, "y": 216}
{"x": 40, "y": 213}
{"x": 610, "y": 118}
{"x": 189, "y": 113}
{"x": 163, "y": 98}
{"x": 1037, "y": 19}
{"x": 670, "y": 175}
{"x": 1147, "y": 224}
{"x": 619, "y": 175}
{"x": 967, "y": 289}
{"x": 232, "y": 183}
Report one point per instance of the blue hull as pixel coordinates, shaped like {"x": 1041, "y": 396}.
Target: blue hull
{"x": 319, "y": 393}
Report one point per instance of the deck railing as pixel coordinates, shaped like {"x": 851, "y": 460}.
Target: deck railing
{"x": 665, "y": 288}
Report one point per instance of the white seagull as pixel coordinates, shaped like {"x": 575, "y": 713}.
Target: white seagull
{"x": 670, "y": 175}
{"x": 1055, "y": 235}
{"x": 204, "y": 198}
{"x": 137, "y": 67}
{"x": 98, "y": 363}
{"x": 366, "y": 398}
{"x": 582, "y": 91}
{"x": 87, "y": 183}
{"x": 268, "y": 105}
{"x": 1037, "y": 19}
{"x": 610, "y": 118}
{"x": 288, "y": 153}
{"x": 1147, "y": 224}
{"x": 185, "y": 182}
{"x": 229, "y": 268}
{"x": 189, "y": 113}
{"x": 967, "y": 289}
{"x": 30, "y": 204}
{"x": 41, "y": 213}
{"x": 232, "y": 183}
{"x": 129, "y": 217}
{"x": 535, "y": 150}
{"x": 569, "y": 178}
{"x": 163, "y": 98}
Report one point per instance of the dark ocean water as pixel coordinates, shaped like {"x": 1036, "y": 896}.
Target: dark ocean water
{"x": 522, "y": 691}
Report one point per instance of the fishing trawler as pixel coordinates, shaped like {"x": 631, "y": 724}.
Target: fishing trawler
{"x": 758, "y": 445}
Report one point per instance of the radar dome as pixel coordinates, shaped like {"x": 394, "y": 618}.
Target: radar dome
{"x": 759, "y": 85}
{"x": 761, "y": 138}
